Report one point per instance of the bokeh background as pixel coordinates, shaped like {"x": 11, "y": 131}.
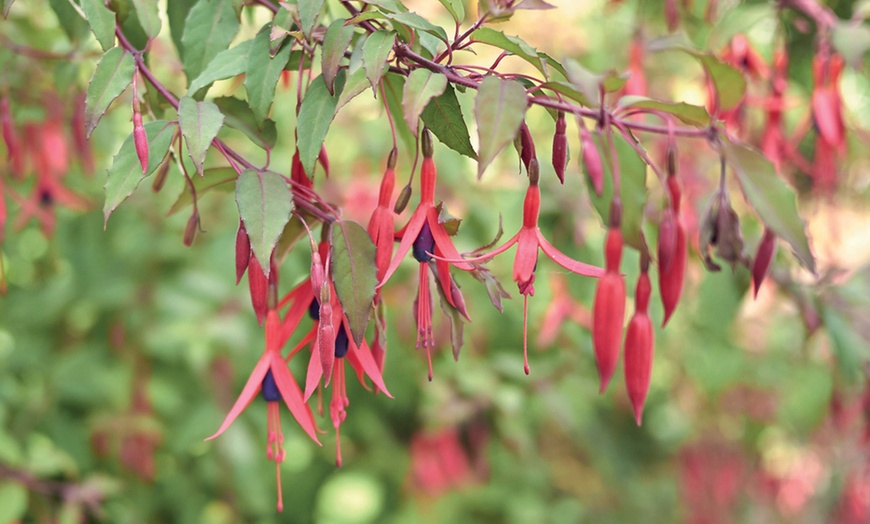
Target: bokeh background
{"x": 121, "y": 349}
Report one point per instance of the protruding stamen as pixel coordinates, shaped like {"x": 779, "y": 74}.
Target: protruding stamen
{"x": 526, "y": 333}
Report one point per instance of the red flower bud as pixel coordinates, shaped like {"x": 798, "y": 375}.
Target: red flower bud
{"x": 608, "y": 312}
{"x": 592, "y": 161}
{"x": 323, "y": 158}
{"x": 639, "y": 342}
{"x": 140, "y": 140}
{"x": 667, "y": 239}
{"x": 243, "y": 251}
{"x": 160, "y": 177}
{"x": 671, "y": 280}
{"x": 258, "y": 284}
{"x": 763, "y": 258}
{"x": 527, "y": 145}
{"x": 190, "y": 229}
{"x": 560, "y": 147}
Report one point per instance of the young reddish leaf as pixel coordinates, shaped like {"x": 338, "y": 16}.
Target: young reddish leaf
{"x": 265, "y": 203}
{"x": 499, "y": 110}
{"x": 200, "y": 123}
{"x": 113, "y": 74}
{"x": 335, "y": 42}
{"x": 315, "y": 116}
{"x": 264, "y": 70}
{"x": 126, "y": 172}
{"x": 209, "y": 28}
{"x": 375, "y": 52}
{"x": 771, "y": 197}
{"x": 443, "y": 116}
{"x": 226, "y": 64}
{"x": 421, "y": 87}
{"x": 354, "y": 274}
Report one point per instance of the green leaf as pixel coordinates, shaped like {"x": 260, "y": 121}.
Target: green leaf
{"x": 590, "y": 84}
{"x": 771, "y": 198}
{"x": 335, "y": 42}
{"x": 443, "y": 116}
{"x": 308, "y": 11}
{"x": 632, "y": 177}
{"x": 852, "y": 41}
{"x": 176, "y": 13}
{"x": 265, "y": 204}
{"x": 149, "y": 17}
{"x": 200, "y": 123}
{"x": 393, "y": 85}
{"x": 730, "y": 83}
{"x": 456, "y": 9}
{"x": 512, "y": 44}
{"x": 568, "y": 90}
{"x": 416, "y": 21}
{"x": 263, "y": 73}
{"x": 209, "y": 28}
{"x": 218, "y": 178}
{"x": 688, "y": 113}
{"x": 315, "y": 115}
{"x": 499, "y": 110}
{"x": 126, "y": 172}
{"x": 226, "y": 64}
{"x": 113, "y": 74}
{"x": 238, "y": 115}
{"x": 421, "y": 87}
{"x": 356, "y": 84}
{"x": 102, "y": 22}
{"x": 352, "y": 264}
{"x": 376, "y": 50}
{"x": 5, "y": 5}
{"x": 70, "y": 18}
{"x": 13, "y": 500}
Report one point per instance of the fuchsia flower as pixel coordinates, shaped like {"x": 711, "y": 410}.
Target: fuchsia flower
{"x": 528, "y": 239}
{"x": 272, "y": 377}
{"x": 425, "y": 233}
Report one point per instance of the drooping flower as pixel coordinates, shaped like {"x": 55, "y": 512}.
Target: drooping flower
{"x": 272, "y": 377}
{"x": 672, "y": 276}
{"x": 528, "y": 240}
{"x": 382, "y": 223}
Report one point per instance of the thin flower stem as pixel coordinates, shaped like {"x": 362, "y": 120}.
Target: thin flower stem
{"x": 389, "y": 114}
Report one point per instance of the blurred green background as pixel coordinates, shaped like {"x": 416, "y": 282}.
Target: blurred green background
{"x": 121, "y": 350}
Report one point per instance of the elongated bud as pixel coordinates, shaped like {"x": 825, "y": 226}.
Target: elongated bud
{"x": 402, "y": 201}
{"x": 639, "y": 342}
{"x": 534, "y": 172}
{"x": 323, "y": 158}
{"x": 393, "y": 158}
{"x": 592, "y": 161}
{"x": 671, "y": 280}
{"x": 140, "y": 140}
{"x": 560, "y": 147}
{"x": 608, "y": 313}
{"x": 667, "y": 239}
{"x": 763, "y": 258}
{"x": 243, "y": 251}
{"x": 426, "y": 143}
{"x": 190, "y": 229}
{"x": 160, "y": 177}
{"x": 258, "y": 285}
{"x": 672, "y": 159}
{"x": 527, "y": 145}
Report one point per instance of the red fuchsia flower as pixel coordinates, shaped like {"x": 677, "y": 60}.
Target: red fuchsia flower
{"x": 639, "y": 343}
{"x": 382, "y": 223}
{"x": 528, "y": 240}
{"x": 773, "y": 142}
{"x": 259, "y": 283}
{"x": 636, "y": 83}
{"x": 426, "y": 234}
{"x": 14, "y": 151}
{"x": 828, "y": 116}
{"x": 272, "y": 378}
{"x": 608, "y": 311}
{"x": 361, "y": 361}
